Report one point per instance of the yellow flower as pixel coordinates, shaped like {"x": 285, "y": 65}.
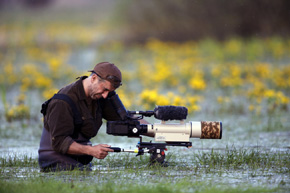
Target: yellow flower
{"x": 197, "y": 83}
{"x": 18, "y": 112}
{"x": 193, "y": 108}
{"x": 178, "y": 101}
{"x": 9, "y": 74}
{"x": 262, "y": 70}
{"x": 43, "y": 82}
{"x": 269, "y": 93}
{"x": 282, "y": 98}
{"x": 48, "y": 93}
{"x": 216, "y": 71}
{"x": 54, "y": 64}
{"x": 162, "y": 101}
{"x": 251, "y": 107}
{"x": 125, "y": 98}
{"x": 235, "y": 70}
{"x": 21, "y": 98}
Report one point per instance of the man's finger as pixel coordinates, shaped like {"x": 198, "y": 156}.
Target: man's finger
{"x": 105, "y": 145}
{"x": 107, "y": 149}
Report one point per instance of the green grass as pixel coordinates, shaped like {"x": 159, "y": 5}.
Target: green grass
{"x": 183, "y": 185}
{"x": 228, "y": 170}
{"x": 230, "y": 158}
{"x": 251, "y": 158}
{"x": 17, "y": 161}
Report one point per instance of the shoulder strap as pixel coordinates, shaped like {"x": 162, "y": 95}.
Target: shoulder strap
{"x": 76, "y": 114}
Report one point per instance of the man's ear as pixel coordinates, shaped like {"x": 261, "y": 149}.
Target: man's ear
{"x": 93, "y": 78}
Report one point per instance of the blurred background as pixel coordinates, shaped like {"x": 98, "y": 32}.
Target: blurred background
{"x": 136, "y": 21}
{"x": 218, "y": 58}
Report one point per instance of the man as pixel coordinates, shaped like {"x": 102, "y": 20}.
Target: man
{"x": 73, "y": 116}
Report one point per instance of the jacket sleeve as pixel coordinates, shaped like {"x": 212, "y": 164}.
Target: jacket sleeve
{"x": 60, "y": 125}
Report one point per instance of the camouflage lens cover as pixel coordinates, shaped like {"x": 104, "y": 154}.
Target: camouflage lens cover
{"x": 211, "y": 130}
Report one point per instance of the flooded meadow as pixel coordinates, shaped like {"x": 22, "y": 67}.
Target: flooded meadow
{"x": 245, "y": 84}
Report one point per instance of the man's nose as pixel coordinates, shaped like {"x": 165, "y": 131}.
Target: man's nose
{"x": 105, "y": 94}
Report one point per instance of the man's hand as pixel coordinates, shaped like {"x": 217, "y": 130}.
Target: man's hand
{"x": 100, "y": 151}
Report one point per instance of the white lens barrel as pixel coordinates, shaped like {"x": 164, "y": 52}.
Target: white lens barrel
{"x": 195, "y": 129}
{"x": 181, "y": 132}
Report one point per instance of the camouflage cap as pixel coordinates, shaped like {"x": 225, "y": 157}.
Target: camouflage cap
{"x": 109, "y": 72}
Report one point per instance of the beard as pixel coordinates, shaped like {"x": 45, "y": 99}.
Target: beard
{"x": 94, "y": 95}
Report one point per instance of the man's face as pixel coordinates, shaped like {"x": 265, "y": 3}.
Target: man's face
{"x": 100, "y": 88}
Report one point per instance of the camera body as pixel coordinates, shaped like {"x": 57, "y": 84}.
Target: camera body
{"x": 130, "y": 128}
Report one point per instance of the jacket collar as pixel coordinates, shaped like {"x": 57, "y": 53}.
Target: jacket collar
{"x": 80, "y": 87}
